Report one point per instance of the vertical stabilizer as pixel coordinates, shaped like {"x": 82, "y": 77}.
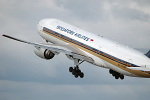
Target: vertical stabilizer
{"x": 148, "y": 54}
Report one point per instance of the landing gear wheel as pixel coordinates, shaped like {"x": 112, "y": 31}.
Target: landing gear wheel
{"x": 70, "y": 69}
{"x": 76, "y": 75}
{"x": 76, "y": 72}
{"x": 116, "y": 74}
{"x": 73, "y": 72}
{"x": 122, "y": 77}
{"x": 81, "y": 75}
{"x": 111, "y": 71}
{"x": 116, "y": 77}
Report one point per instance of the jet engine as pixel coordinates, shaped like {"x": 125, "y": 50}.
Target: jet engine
{"x": 44, "y": 53}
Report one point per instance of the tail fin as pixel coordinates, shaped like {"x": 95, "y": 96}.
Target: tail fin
{"x": 148, "y": 54}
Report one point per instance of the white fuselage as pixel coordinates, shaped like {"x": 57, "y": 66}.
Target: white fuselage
{"x": 105, "y": 53}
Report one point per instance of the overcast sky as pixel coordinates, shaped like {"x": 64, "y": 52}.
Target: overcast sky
{"x": 24, "y": 76}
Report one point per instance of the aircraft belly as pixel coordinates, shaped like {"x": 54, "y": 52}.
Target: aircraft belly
{"x": 97, "y": 61}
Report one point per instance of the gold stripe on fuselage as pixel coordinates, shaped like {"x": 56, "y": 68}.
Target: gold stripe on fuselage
{"x": 106, "y": 58}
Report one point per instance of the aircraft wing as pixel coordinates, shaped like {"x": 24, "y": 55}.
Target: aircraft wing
{"x": 66, "y": 49}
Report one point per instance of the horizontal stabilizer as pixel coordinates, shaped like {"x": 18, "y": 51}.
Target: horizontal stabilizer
{"x": 148, "y": 54}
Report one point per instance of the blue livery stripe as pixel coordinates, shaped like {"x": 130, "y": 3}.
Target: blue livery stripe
{"x": 89, "y": 48}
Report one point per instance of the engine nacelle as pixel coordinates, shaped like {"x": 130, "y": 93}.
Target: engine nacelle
{"x": 43, "y": 53}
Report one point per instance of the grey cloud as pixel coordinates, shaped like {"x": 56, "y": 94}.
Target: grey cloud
{"x": 142, "y": 3}
{"x": 129, "y": 14}
{"x": 38, "y": 91}
{"x": 84, "y": 10}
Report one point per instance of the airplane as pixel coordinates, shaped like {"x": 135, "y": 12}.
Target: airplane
{"x": 79, "y": 46}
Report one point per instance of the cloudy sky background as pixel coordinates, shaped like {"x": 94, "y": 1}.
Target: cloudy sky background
{"x": 24, "y": 76}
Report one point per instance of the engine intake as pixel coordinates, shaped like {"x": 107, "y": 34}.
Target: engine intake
{"x": 43, "y": 53}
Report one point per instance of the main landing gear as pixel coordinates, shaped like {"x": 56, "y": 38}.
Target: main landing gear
{"x": 116, "y": 74}
{"x": 76, "y": 71}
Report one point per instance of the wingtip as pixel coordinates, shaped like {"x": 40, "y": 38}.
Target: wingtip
{"x": 13, "y": 38}
{"x": 5, "y": 35}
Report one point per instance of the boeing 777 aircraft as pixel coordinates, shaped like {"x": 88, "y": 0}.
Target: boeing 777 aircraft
{"x": 80, "y": 45}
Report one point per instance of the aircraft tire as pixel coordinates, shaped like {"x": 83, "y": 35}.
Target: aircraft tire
{"x": 81, "y": 75}
{"x": 111, "y": 71}
{"x": 70, "y": 69}
{"x": 76, "y": 75}
{"x": 121, "y": 77}
{"x": 73, "y": 72}
{"x": 116, "y": 77}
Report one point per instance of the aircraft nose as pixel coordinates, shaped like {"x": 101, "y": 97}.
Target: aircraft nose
{"x": 42, "y": 23}
{"x": 40, "y": 26}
